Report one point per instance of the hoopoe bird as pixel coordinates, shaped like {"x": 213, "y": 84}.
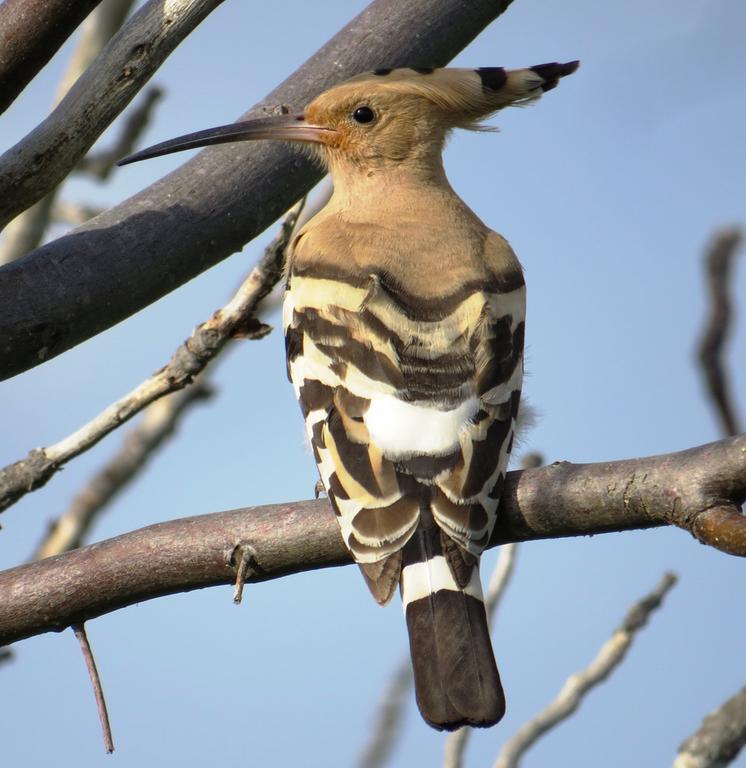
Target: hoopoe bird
{"x": 404, "y": 324}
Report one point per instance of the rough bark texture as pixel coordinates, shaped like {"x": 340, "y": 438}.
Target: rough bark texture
{"x": 54, "y": 298}
{"x": 31, "y": 32}
{"x": 720, "y": 738}
{"x": 550, "y": 502}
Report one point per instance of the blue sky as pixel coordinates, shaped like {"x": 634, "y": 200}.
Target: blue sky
{"x": 608, "y": 190}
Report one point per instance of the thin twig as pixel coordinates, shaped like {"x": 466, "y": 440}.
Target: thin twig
{"x": 98, "y": 691}
{"x": 235, "y": 319}
{"x": 719, "y": 264}
{"x": 719, "y": 739}
{"x": 159, "y": 422}
{"x": 577, "y": 686}
{"x": 389, "y": 717}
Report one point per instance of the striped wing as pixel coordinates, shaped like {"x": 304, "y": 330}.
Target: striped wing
{"x": 409, "y": 405}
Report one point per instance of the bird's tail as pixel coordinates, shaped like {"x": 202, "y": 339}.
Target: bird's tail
{"x": 455, "y": 675}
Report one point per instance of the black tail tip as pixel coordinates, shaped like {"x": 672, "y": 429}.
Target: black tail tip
{"x": 484, "y": 719}
{"x": 455, "y": 676}
{"x": 551, "y": 73}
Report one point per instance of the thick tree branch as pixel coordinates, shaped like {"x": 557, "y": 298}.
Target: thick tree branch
{"x": 719, "y": 265}
{"x": 720, "y": 738}
{"x": 31, "y": 32}
{"x": 41, "y": 160}
{"x": 550, "y": 502}
{"x": 52, "y": 299}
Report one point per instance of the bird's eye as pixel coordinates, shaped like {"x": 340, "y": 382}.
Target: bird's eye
{"x": 363, "y": 115}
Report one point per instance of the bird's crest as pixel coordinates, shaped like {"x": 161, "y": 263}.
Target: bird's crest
{"x": 464, "y": 96}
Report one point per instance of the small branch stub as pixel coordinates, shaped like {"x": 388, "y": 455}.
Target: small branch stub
{"x": 243, "y": 558}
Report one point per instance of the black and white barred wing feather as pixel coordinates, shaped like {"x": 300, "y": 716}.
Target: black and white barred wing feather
{"x": 410, "y": 406}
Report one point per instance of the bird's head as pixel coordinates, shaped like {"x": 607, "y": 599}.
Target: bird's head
{"x": 390, "y": 116}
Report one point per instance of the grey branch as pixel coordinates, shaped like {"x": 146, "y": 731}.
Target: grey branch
{"x": 41, "y": 160}
{"x": 31, "y": 32}
{"x": 719, "y": 265}
{"x": 98, "y": 691}
{"x": 159, "y": 422}
{"x": 577, "y": 686}
{"x": 720, "y": 738}
{"x": 27, "y": 230}
{"x": 551, "y": 502}
{"x": 145, "y": 247}
{"x": 235, "y": 320}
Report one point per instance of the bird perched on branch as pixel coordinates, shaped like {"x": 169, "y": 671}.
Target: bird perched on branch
{"x": 404, "y": 323}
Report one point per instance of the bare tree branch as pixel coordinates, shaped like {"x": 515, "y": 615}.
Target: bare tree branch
{"x": 577, "y": 686}
{"x": 720, "y": 738}
{"x": 235, "y": 319}
{"x": 27, "y": 230}
{"x": 98, "y": 691}
{"x": 719, "y": 263}
{"x": 550, "y": 502}
{"x": 159, "y": 422}
{"x": 31, "y": 32}
{"x": 41, "y": 160}
{"x": 145, "y": 247}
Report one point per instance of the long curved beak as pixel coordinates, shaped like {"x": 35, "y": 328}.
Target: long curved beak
{"x": 282, "y": 127}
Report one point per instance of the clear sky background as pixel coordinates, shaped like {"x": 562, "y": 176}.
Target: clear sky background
{"x": 609, "y": 190}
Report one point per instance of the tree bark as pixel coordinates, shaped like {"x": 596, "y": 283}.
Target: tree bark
{"x": 131, "y": 255}
{"x": 31, "y": 32}
{"x": 550, "y": 502}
